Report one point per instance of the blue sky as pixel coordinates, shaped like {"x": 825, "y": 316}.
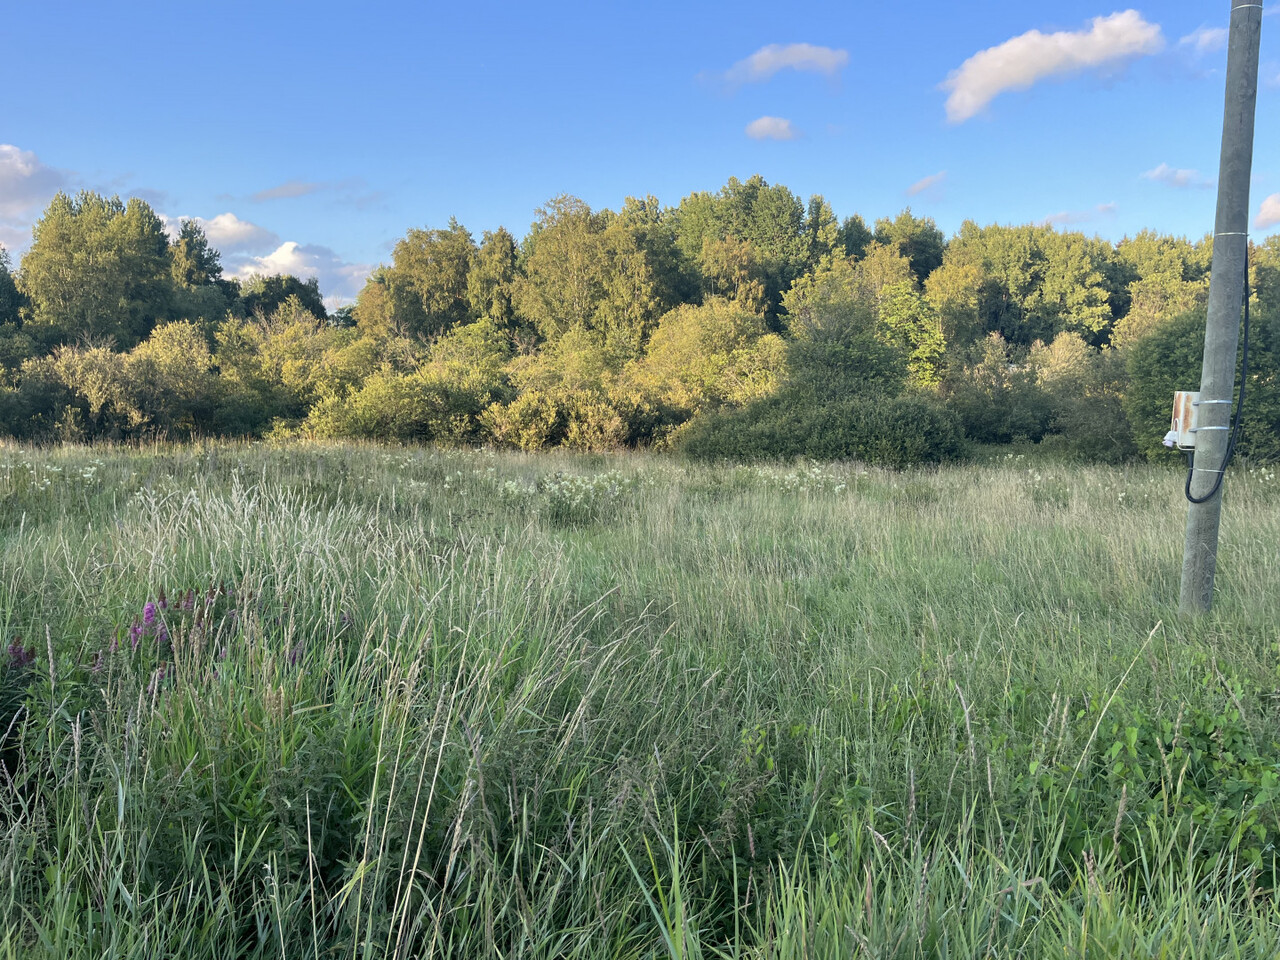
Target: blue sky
{"x": 310, "y": 136}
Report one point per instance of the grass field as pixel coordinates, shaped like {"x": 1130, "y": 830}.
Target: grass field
{"x": 357, "y": 702}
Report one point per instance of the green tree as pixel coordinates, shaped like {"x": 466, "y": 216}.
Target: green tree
{"x": 10, "y": 300}
{"x": 491, "y": 281}
{"x": 854, "y": 236}
{"x": 703, "y": 357}
{"x": 97, "y": 268}
{"x": 262, "y": 295}
{"x": 16, "y": 344}
{"x": 429, "y": 270}
{"x": 196, "y": 269}
{"x": 732, "y": 269}
{"x": 916, "y": 238}
{"x": 1036, "y": 282}
{"x": 194, "y": 262}
{"x": 564, "y": 267}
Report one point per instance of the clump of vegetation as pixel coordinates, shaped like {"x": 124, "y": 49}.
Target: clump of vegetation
{"x": 327, "y": 700}
{"x": 741, "y": 323}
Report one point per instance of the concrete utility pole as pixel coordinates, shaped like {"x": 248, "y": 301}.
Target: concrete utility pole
{"x": 1226, "y": 292}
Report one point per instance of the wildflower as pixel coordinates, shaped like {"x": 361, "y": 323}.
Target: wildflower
{"x": 135, "y": 634}
{"x": 97, "y": 662}
{"x": 20, "y": 656}
{"x": 149, "y": 614}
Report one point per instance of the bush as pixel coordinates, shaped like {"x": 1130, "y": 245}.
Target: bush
{"x": 997, "y": 400}
{"x": 887, "y": 431}
{"x": 415, "y": 407}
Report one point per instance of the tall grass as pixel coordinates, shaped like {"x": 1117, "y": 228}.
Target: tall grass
{"x": 347, "y": 701}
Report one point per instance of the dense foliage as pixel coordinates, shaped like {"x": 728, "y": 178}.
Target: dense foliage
{"x": 747, "y": 312}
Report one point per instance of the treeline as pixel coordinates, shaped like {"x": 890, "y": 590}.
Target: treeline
{"x": 744, "y": 323}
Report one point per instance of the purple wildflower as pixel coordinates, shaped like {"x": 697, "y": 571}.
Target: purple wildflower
{"x": 295, "y": 655}
{"x": 189, "y": 601}
{"x": 20, "y": 656}
{"x": 135, "y": 634}
{"x": 149, "y": 613}
{"x": 97, "y": 662}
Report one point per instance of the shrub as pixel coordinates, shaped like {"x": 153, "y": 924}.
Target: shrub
{"x": 889, "y": 431}
{"x": 996, "y": 399}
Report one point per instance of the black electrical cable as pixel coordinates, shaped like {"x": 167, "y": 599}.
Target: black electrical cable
{"x": 1235, "y": 429}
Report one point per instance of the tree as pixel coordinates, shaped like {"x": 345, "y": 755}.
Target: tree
{"x": 1036, "y": 282}
{"x": 732, "y": 269}
{"x": 1083, "y": 386}
{"x": 429, "y": 272}
{"x": 770, "y": 218}
{"x": 564, "y": 267}
{"x": 702, "y": 357}
{"x": 16, "y": 344}
{"x": 97, "y": 268}
{"x": 491, "y": 282}
{"x": 9, "y": 298}
{"x": 916, "y": 238}
{"x": 263, "y": 295}
{"x": 854, "y": 236}
{"x": 193, "y": 262}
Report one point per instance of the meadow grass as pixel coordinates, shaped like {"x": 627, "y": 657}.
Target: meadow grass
{"x": 350, "y": 701}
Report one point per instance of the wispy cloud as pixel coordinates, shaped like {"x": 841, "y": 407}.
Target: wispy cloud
{"x": 339, "y": 280}
{"x": 771, "y": 128}
{"x": 776, "y": 57}
{"x": 1269, "y": 213}
{"x": 1020, "y": 62}
{"x": 930, "y": 182}
{"x": 1175, "y": 177}
{"x": 287, "y": 190}
{"x": 1204, "y": 40}
{"x": 1068, "y": 217}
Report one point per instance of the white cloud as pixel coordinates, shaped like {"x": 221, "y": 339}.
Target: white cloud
{"x": 339, "y": 281}
{"x": 1175, "y": 177}
{"x": 26, "y": 184}
{"x": 1067, "y": 217}
{"x": 926, "y": 183}
{"x": 1204, "y": 40}
{"x": 26, "y": 187}
{"x": 805, "y": 57}
{"x": 1269, "y": 213}
{"x": 771, "y": 128}
{"x": 14, "y": 238}
{"x": 1019, "y": 62}
{"x": 228, "y": 232}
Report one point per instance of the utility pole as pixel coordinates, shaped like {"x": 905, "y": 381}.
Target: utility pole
{"x": 1226, "y": 291}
